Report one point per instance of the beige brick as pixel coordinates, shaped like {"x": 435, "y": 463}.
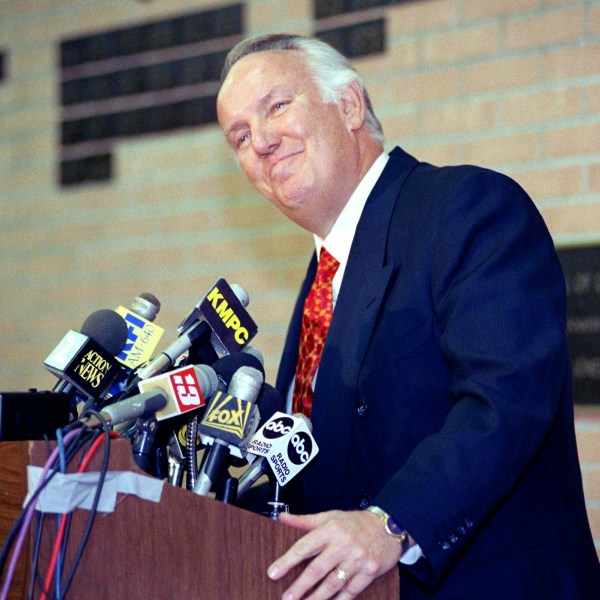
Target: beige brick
{"x": 587, "y": 429}
{"x": 545, "y": 29}
{"x": 593, "y": 99}
{"x": 593, "y": 22}
{"x": 591, "y": 481}
{"x": 426, "y": 86}
{"x": 594, "y": 178}
{"x": 503, "y": 73}
{"x": 418, "y": 16}
{"x": 572, "y": 141}
{"x": 594, "y": 519}
{"x": 568, "y": 63}
{"x": 459, "y": 117}
{"x": 490, "y": 151}
{"x": 476, "y": 9}
{"x": 547, "y": 105}
{"x": 437, "y": 153}
{"x": 458, "y": 45}
{"x": 558, "y": 182}
{"x": 270, "y": 16}
{"x": 258, "y": 214}
{"x": 573, "y": 218}
{"x": 400, "y": 126}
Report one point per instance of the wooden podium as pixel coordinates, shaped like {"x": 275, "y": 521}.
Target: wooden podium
{"x": 185, "y": 546}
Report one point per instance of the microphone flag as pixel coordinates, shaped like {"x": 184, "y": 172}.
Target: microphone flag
{"x": 142, "y": 339}
{"x": 287, "y": 443}
{"x": 82, "y": 362}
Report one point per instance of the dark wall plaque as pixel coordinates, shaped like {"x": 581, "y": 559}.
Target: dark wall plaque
{"x": 582, "y": 272}
{"x": 146, "y": 78}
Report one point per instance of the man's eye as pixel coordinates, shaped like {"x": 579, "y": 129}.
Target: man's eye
{"x": 279, "y": 105}
{"x": 242, "y": 139}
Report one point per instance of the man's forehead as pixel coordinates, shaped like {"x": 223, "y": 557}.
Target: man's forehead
{"x": 263, "y": 73}
{"x": 269, "y": 61}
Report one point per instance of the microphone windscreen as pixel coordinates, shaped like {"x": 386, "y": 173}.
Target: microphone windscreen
{"x": 108, "y": 329}
{"x": 269, "y": 402}
{"x": 227, "y": 365}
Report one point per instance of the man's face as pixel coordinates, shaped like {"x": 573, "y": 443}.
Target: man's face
{"x": 299, "y": 152}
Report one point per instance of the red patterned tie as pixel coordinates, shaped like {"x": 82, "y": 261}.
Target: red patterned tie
{"x": 316, "y": 318}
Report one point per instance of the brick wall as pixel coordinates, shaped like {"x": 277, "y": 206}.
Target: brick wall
{"x": 509, "y": 84}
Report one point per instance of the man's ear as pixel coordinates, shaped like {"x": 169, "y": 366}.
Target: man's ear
{"x": 353, "y": 106}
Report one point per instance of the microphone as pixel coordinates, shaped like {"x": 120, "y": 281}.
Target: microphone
{"x": 269, "y": 402}
{"x": 221, "y": 311}
{"x": 146, "y": 305}
{"x": 85, "y": 360}
{"x": 186, "y": 388}
{"x": 230, "y": 420}
{"x": 285, "y": 446}
{"x": 143, "y": 334}
{"x": 135, "y": 407}
{"x": 226, "y": 366}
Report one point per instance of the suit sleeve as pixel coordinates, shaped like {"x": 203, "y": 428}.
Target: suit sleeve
{"x": 497, "y": 292}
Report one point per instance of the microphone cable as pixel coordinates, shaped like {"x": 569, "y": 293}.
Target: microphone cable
{"x": 105, "y": 436}
{"x": 68, "y": 446}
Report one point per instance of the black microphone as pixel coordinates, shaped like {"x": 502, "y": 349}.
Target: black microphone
{"x": 85, "y": 360}
{"x": 223, "y": 308}
{"x": 228, "y": 423}
{"x": 269, "y": 402}
{"x": 226, "y": 366}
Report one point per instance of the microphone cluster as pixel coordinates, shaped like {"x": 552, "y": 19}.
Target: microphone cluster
{"x": 205, "y": 391}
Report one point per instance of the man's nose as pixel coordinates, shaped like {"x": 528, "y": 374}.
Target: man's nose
{"x": 264, "y": 139}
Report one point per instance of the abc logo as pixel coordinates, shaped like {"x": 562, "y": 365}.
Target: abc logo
{"x": 300, "y": 448}
{"x": 277, "y": 428}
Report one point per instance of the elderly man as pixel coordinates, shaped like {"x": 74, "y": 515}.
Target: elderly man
{"x": 428, "y": 347}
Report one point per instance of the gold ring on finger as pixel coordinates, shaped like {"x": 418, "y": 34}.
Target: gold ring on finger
{"x": 341, "y": 574}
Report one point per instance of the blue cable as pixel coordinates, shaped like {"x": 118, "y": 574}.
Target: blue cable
{"x": 63, "y": 469}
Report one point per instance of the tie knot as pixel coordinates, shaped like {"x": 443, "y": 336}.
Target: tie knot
{"x": 328, "y": 265}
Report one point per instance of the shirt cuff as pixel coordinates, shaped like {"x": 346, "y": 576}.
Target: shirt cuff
{"x": 412, "y": 555}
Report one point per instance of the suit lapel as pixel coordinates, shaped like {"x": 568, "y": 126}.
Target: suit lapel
{"x": 365, "y": 282}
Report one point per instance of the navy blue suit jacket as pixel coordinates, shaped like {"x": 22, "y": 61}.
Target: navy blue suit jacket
{"x": 444, "y": 389}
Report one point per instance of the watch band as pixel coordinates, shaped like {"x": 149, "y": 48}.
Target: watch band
{"x": 391, "y": 526}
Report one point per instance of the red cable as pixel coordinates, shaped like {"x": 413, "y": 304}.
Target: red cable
{"x": 63, "y": 519}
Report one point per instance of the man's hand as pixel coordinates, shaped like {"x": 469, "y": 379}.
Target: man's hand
{"x": 348, "y": 551}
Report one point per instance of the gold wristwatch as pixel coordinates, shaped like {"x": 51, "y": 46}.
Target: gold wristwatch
{"x": 391, "y": 526}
